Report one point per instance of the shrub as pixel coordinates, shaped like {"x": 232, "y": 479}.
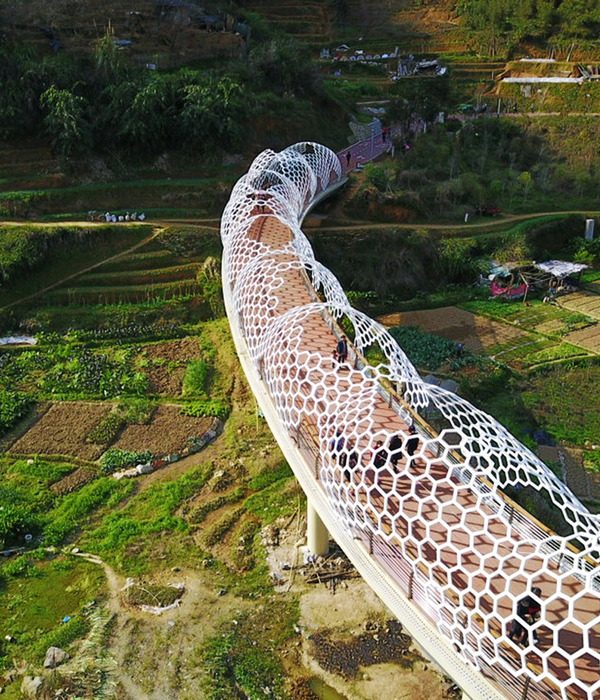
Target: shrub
{"x": 15, "y": 520}
{"x": 20, "y": 567}
{"x": 13, "y": 405}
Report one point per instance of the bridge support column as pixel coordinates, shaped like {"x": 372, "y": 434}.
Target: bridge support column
{"x": 317, "y": 536}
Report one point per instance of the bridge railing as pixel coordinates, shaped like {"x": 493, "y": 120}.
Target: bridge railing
{"x": 478, "y": 635}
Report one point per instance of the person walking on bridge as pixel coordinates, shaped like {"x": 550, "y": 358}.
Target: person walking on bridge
{"x": 528, "y": 610}
{"x": 342, "y": 351}
{"x": 412, "y": 444}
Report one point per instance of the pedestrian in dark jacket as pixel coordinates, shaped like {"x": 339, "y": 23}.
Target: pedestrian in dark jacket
{"x": 342, "y": 351}
{"x": 528, "y": 610}
{"x": 412, "y": 444}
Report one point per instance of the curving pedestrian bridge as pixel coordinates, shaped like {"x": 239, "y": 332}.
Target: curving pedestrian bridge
{"x": 434, "y": 534}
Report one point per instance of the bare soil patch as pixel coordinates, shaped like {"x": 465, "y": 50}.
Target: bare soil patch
{"x": 62, "y": 430}
{"x": 477, "y": 333}
{"x": 167, "y": 362}
{"x": 168, "y": 432}
{"x": 347, "y": 637}
{"x": 73, "y": 481}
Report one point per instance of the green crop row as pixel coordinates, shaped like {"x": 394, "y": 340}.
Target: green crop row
{"x": 123, "y": 459}
{"x": 140, "y": 277}
{"x": 210, "y": 407}
{"x": 124, "y": 294}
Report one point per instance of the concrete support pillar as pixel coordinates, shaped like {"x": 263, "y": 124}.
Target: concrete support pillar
{"x": 317, "y": 536}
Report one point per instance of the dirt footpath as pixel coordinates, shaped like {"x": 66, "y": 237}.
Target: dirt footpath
{"x": 347, "y": 641}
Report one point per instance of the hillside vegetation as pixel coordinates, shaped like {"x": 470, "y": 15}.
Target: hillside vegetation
{"x": 160, "y": 108}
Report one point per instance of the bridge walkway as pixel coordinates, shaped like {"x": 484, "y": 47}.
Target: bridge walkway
{"x": 417, "y": 527}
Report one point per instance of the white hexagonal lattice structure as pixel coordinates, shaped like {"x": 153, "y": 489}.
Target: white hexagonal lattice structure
{"x": 437, "y": 520}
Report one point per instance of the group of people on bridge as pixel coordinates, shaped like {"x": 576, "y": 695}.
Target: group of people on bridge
{"x": 380, "y": 456}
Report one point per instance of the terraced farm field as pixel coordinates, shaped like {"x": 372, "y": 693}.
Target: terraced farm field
{"x": 518, "y": 335}
{"x": 476, "y": 332}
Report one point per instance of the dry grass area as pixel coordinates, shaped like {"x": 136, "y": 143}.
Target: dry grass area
{"x": 476, "y": 332}
{"x": 167, "y": 432}
{"x": 63, "y": 429}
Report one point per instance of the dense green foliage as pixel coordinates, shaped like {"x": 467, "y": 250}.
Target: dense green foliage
{"x": 30, "y": 507}
{"x": 209, "y": 407}
{"x": 519, "y": 164}
{"x": 499, "y": 26}
{"x": 107, "y": 103}
{"x": 123, "y": 459}
{"x": 13, "y": 405}
{"x": 429, "y": 351}
{"x": 197, "y": 378}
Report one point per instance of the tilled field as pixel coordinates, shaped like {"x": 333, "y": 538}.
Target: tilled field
{"x": 168, "y": 432}
{"x": 73, "y": 481}
{"x": 62, "y": 430}
{"x": 166, "y": 364}
{"x": 476, "y": 332}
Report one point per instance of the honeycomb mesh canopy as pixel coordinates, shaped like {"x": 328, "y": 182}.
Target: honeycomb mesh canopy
{"x": 415, "y": 467}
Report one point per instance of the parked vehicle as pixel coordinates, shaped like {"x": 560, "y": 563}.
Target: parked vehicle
{"x": 487, "y": 211}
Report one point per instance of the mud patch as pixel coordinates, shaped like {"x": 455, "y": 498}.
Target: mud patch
{"x": 380, "y": 643}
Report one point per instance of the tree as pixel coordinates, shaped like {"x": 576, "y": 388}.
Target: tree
{"x": 111, "y": 63}
{"x": 580, "y": 18}
{"x": 148, "y": 121}
{"x": 525, "y": 181}
{"x": 15, "y": 520}
{"x": 283, "y": 66}
{"x": 214, "y": 112}
{"x": 15, "y": 96}
{"x": 65, "y": 121}
{"x": 422, "y": 98}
